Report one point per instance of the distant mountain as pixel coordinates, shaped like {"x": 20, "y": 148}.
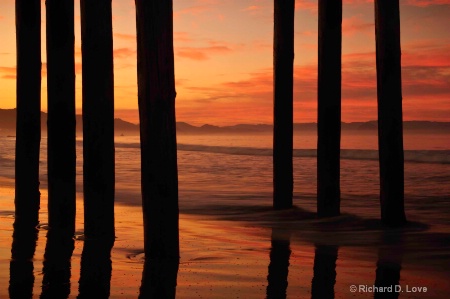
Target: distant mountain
{"x": 8, "y": 123}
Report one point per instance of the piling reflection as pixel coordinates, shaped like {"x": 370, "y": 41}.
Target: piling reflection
{"x": 95, "y": 274}
{"x": 159, "y": 279}
{"x": 57, "y": 264}
{"x": 324, "y": 277}
{"x": 21, "y": 266}
{"x": 280, "y": 253}
{"x": 389, "y": 265}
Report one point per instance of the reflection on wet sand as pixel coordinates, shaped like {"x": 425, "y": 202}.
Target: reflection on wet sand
{"x": 389, "y": 264}
{"x": 21, "y": 266}
{"x": 57, "y": 265}
{"x": 324, "y": 271}
{"x": 95, "y": 274}
{"x": 159, "y": 279}
{"x": 279, "y": 264}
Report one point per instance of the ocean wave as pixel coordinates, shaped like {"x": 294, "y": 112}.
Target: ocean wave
{"x": 420, "y": 156}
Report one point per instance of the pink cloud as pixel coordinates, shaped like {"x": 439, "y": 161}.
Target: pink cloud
{"x": 426, "y": 53}
{"x": 425, "y": 72}
{"x": 356, "y": 24}
{"x": 306, "y": 5}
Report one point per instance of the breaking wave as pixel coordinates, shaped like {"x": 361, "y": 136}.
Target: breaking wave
{"x": 420, "y": 156}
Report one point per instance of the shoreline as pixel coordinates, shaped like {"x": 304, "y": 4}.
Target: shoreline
{"x": 230, "y": 258}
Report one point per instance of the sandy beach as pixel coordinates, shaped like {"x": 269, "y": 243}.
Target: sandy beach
{"x": 245, "y": 252}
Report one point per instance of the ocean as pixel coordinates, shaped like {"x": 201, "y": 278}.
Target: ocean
{"x": 228, "y": 179}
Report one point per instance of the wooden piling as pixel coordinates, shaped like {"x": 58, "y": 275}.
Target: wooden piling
{"x": 98, "y": 118}
{"x": 28, "y": 126}
{"x": 156, "y": 93}
{"x": 283, "y": 65}
{"x": 329, "y": 108}
{"x": 390, "y": 126}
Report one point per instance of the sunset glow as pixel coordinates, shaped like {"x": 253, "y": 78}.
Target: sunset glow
{"x": 223, "y": 60}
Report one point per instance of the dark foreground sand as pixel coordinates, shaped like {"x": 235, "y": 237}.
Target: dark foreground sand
{"x": 253, "y": 252}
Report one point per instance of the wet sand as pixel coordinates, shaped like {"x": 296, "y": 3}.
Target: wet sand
{"x": 253, "y": 252}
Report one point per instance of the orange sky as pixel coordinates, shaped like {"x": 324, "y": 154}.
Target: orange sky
{"x": 223, "y": 60}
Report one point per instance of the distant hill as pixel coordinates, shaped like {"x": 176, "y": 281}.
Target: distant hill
{"x": 8, "y": 123}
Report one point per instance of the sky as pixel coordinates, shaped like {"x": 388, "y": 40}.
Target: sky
{"x": 224, "y": 55}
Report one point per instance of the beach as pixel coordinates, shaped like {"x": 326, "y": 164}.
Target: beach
{"x": 233, "y": 245}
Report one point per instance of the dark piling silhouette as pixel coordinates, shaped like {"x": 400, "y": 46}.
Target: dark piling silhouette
{"x": 96, "y": 267}
{"x": 324, "y": 272}
{"x": 390, "y": 127}
{"x": 61, "y": 115}
{"x": 280, "y": 253}
{"x": 98, "y": 118}
{"x": 156, "y": 92}
{"x": 389, "y": 263}
{"x": 283, "y": 65}
{"x": 57, "y": 264}
{"x": 21, "y": 267}
{"x": 159, "y": 279}
{"x": 28, "y": 127}
{"x": 329, "y": 108}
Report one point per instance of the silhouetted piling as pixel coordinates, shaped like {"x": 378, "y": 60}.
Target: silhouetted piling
{"x": 57, "y": 264}
{"x": 329, "y": 108}
{"x": 21, "y": 268}
{"x": 28, "y": 127}
{"x": 324, "y": 272}
{"x": 159, "y": 279}
{"x": 61, "y": 115}
{"x": 96, "y": 267}
{"x": 390, "y": 128}
{"x": 390, "y": 255}
{"x": 280, "y": 252}
{"x": 98, "y": 118}
{"x": 156, "y": 92}
{"x": 283, "y": 65}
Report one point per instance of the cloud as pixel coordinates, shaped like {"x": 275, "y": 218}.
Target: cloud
{"x": 179, "y": 36}
{"x": 124, "y": 52}
{"x": 195, "y": 10}
{"x": 425, "y": 74}
{"x": 8, "y": 72}
{"x": 182, "y": 37}
{"x": 426, "y": 80}
{"x": 78, "y": 53}
{"x": 357, "y": 1}
{"x": 201, "y": 53}
{"x": 426, "y": 53}
{"x": 356, "y": 24}
{"x": 78, "y": 68}
{"x": 425, "y": 3}
{"x": 125, "y": 36}
{"x": 252, "y": 8}
{"x": 310, "y": 5}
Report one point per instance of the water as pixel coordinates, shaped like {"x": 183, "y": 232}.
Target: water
{"x": 223, "y": 169}
{"x": 230, "y": 178}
